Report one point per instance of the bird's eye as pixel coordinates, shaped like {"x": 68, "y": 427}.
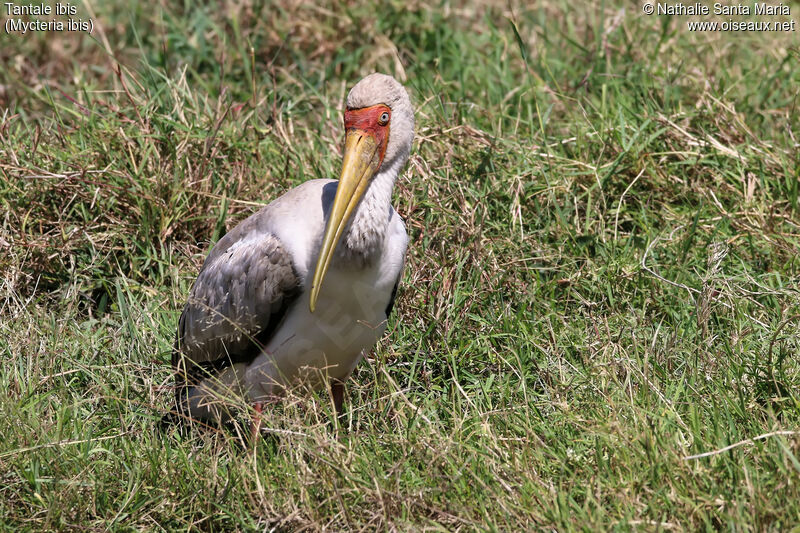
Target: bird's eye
{"x": 384, "y": 118}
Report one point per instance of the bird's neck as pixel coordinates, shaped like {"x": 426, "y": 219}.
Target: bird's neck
{"x": 362, "y": 241}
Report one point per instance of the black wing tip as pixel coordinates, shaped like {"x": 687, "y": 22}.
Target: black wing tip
{"x": 392, "y": 298}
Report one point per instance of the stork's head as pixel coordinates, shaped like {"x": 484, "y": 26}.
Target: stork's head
{"x": 379, "y": 129}
{"x": 378, "y": 106}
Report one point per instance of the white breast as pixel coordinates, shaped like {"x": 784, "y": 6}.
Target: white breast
{"x": 350, "y": 317}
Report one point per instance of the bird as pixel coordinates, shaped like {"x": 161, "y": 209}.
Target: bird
{"x": 298, "y": 291}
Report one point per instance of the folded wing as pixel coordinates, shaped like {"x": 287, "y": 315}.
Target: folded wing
{"x": 243, "y": 292}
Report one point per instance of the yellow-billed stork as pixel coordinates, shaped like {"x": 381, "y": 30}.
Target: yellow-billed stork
{"x": 299, "y": 290}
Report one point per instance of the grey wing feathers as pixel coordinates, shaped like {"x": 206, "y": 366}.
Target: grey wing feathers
{"x": 241, "y": 294}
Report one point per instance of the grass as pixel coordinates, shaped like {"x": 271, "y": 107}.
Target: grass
{"x": 602, "y": 279}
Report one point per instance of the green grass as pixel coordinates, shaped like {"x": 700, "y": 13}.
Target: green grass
{"x": 602, "y": 278}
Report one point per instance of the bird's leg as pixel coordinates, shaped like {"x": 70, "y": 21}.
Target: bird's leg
{"x": 255, "y": 426}
{"x": 337, "y": 393}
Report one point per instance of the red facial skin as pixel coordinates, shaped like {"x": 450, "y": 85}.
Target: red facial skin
{"x": 367, "y": 120}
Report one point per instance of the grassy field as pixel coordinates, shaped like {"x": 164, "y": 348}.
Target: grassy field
{"x": 598, "y": 323}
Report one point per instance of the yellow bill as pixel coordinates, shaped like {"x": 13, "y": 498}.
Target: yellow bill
{"x": 361, "y": 160}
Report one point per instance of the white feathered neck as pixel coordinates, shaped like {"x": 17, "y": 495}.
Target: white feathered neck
{"x": 362, "y": 240}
